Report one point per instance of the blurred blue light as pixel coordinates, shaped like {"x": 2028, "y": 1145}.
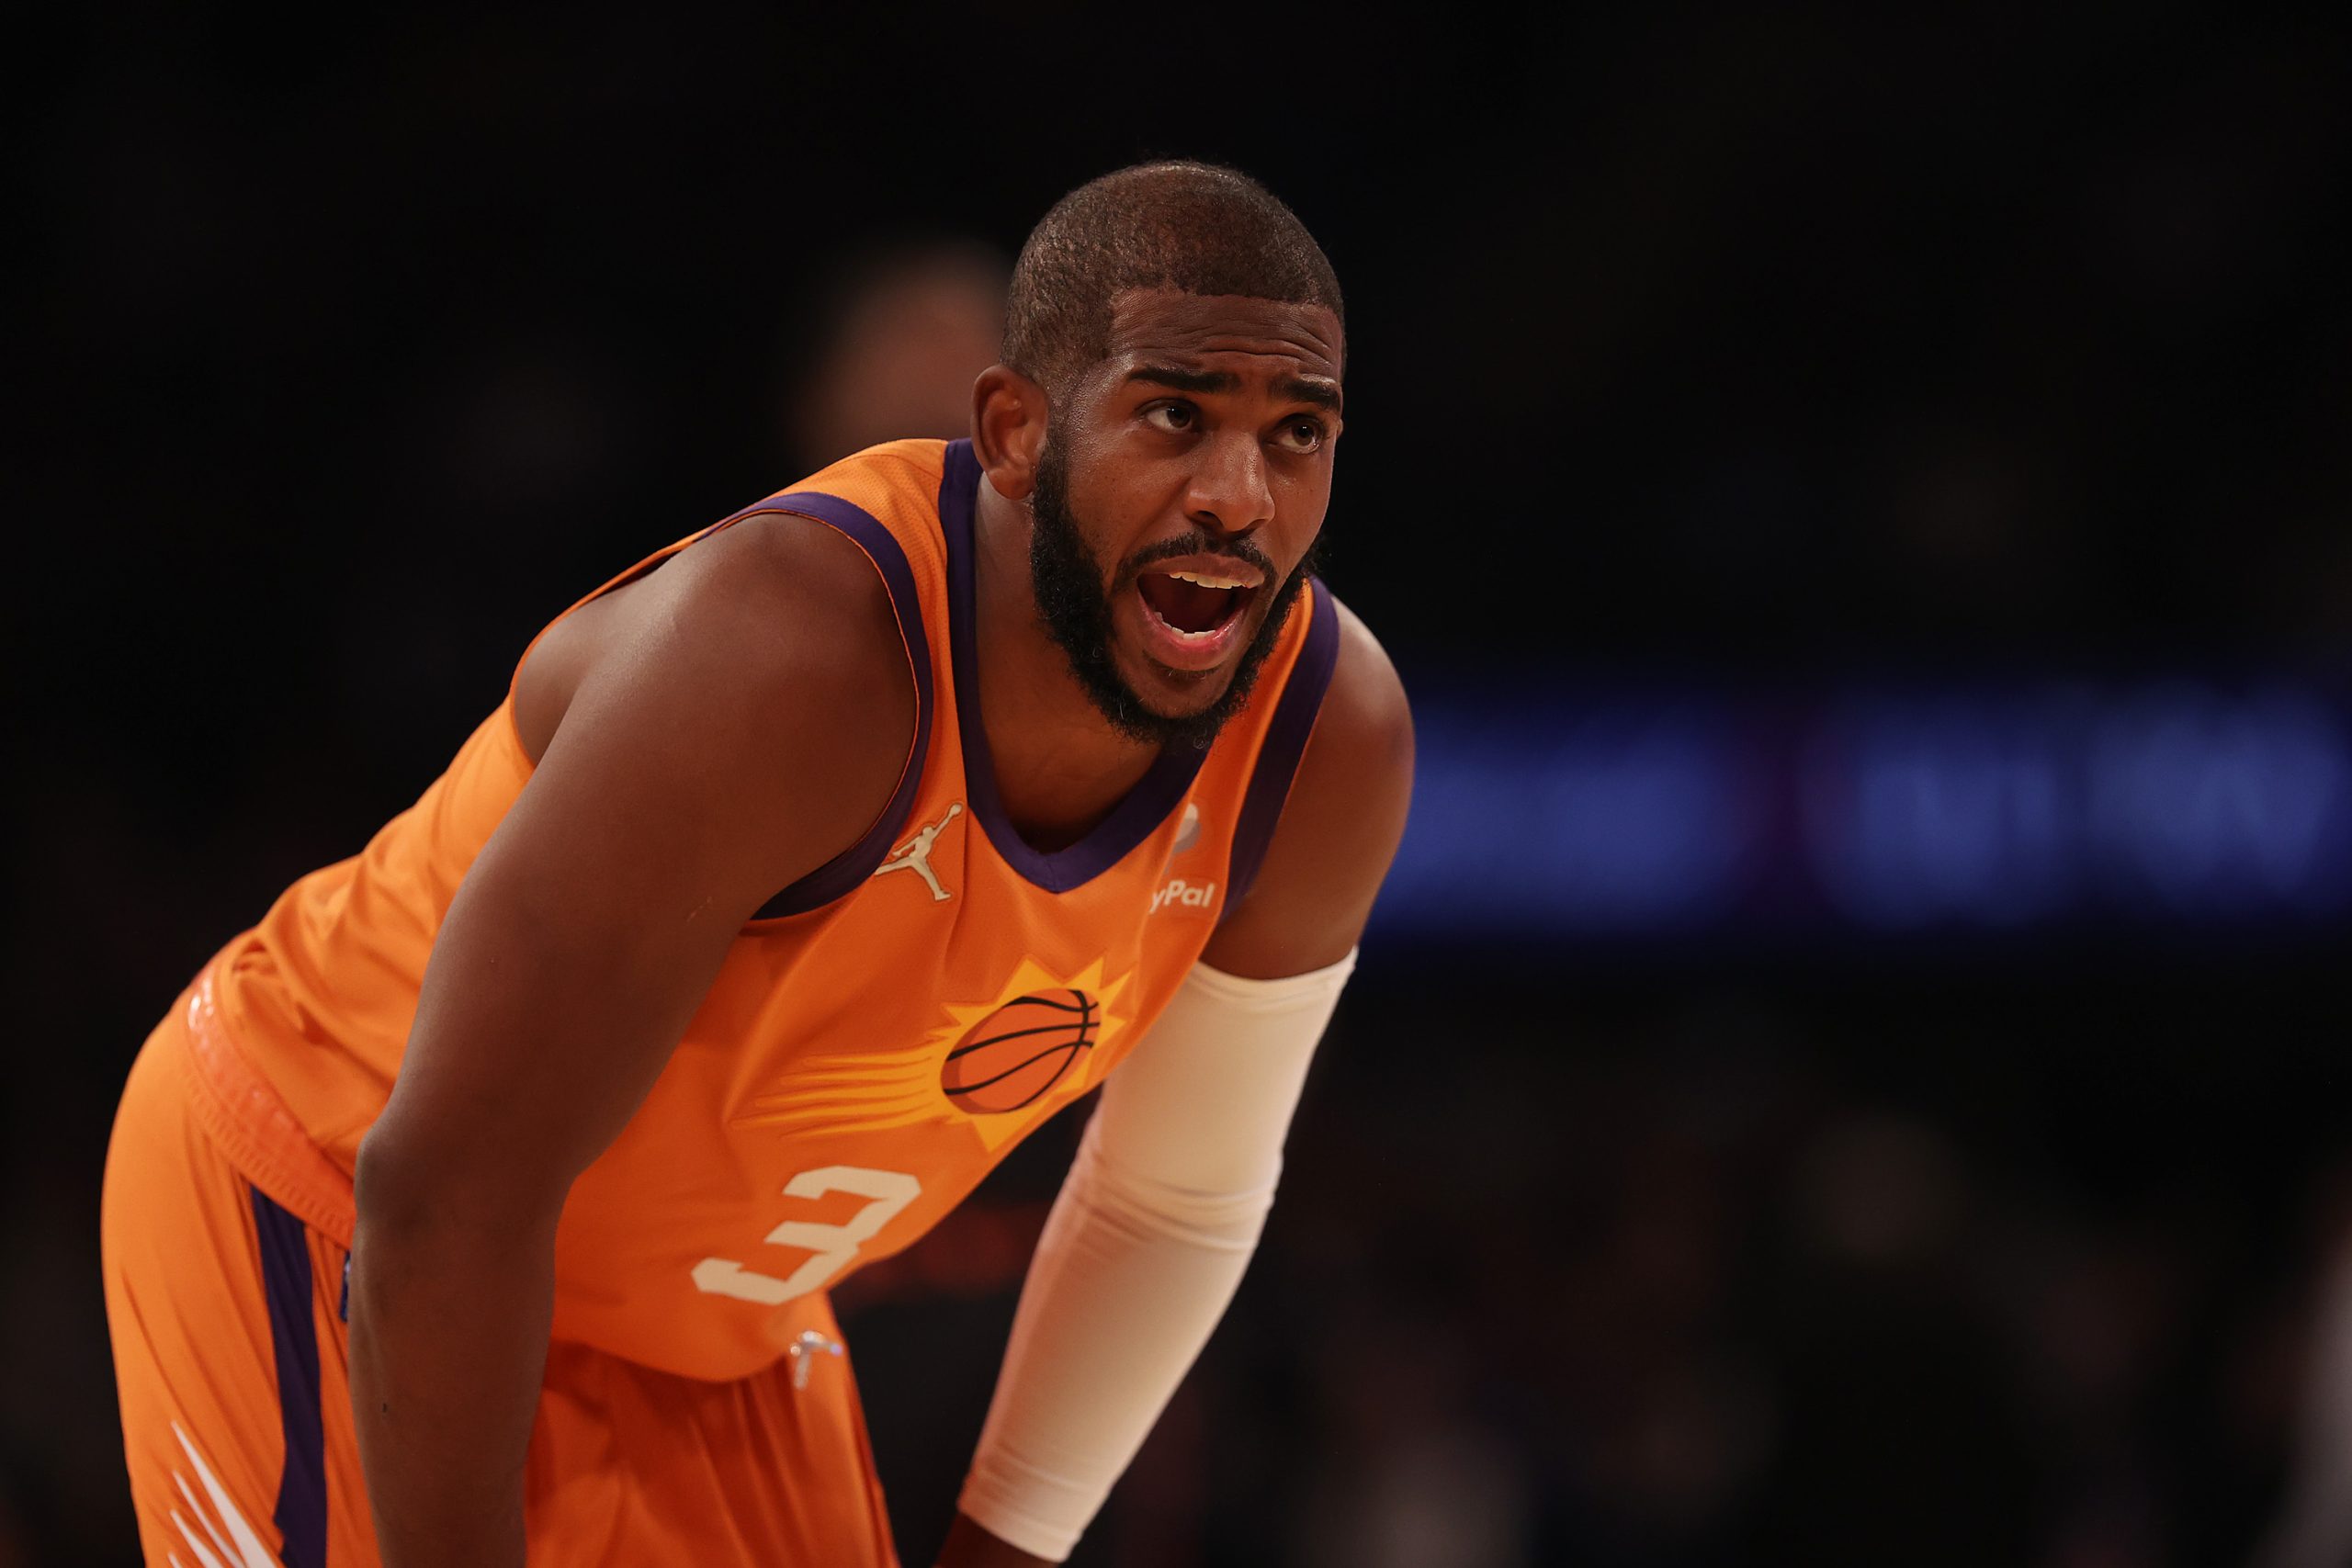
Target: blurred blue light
{"x": 1932, "y": 810}
{"x": 1649, "y": 817}
{"x": 1618, "y": 819}
{"x": 2222, "y": 806}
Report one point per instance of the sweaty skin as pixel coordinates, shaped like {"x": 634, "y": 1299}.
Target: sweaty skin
{"x": 716, "y": 730}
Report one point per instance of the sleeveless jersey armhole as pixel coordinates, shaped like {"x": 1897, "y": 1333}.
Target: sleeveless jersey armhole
{"x": 1287, "y": 734}
{"x": 654, "y": 562}
{"x": 851, "y": 867}
{"x": 848, "y": 870}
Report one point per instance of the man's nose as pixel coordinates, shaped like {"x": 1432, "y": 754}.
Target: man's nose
{"x": 1230, "y": 492}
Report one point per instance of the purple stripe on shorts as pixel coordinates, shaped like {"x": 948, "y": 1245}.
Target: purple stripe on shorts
{"x": 1287, "y": 736}
{"x": 302, "y": 1513}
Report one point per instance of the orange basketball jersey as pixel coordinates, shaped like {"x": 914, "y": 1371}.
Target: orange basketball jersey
{"x": 881, "y": 1035}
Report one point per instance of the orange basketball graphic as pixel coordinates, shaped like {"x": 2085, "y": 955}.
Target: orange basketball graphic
{"x": 1017, "y": 1052}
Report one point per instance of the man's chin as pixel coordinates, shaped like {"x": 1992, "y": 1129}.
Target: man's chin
{"x": 1168, "y": 707}
{"x": 1190, "y": 706}
{"x": 1175, "y": 696}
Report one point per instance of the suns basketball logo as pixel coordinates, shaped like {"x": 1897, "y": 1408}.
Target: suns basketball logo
{"x": 995, "y": 1066}
{"x": 1011, "y": 1057}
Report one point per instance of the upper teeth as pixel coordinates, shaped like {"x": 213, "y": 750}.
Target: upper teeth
{"x": 1207, "y": 582}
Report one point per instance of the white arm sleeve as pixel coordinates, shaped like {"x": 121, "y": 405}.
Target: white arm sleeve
{"x": 1154, "y": 1223}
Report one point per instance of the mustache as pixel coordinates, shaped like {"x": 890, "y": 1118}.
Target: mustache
{"x": 1199, "y": 542}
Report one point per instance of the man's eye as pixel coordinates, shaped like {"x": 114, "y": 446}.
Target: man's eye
{"x": 1177, "y": 416}
{"x": 1301, "y": 435}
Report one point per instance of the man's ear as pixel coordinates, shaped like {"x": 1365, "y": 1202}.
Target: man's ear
{"x": 1008, "y": 430}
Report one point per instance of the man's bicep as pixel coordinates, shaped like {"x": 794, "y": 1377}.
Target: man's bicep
{"x": 1340, "y": 826}
{"x": 710, "y": 756}
{"x": 544, "y": 1016}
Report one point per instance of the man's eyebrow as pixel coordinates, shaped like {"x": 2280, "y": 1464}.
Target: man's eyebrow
{"x": 1322, "y": 394}
{"x": 1186, "y": 380}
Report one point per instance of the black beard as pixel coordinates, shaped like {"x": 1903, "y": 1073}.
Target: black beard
{"x": 1077, "y": 612}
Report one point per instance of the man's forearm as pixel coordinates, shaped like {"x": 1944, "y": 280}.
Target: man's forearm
{"x": 449, "y": 1346}
{"x": 1151, "y": 1233}
{"x": 1125, "y": 1290}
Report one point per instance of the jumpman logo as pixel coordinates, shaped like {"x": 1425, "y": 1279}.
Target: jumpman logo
{"x": 915, "y": 854}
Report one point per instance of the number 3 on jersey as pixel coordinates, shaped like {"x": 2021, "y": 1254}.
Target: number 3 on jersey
{"x": 831, "y": 1246}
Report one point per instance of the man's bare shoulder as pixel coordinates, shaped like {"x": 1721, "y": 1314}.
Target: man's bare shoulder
{"x": 782, "y": 618}
{"x": 1341, "y": 825}
{"x": 1364, "y": 733}
{"x": 759, "y": 671}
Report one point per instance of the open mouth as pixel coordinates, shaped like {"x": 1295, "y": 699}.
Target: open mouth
{"x": 1193, "y": 609}
{"x": 1194, "y": 604}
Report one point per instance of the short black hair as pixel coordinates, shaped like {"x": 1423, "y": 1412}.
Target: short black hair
{"x": 1195, "y": 227}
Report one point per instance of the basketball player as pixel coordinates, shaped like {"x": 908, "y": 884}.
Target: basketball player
{"x": 481, "y": 1204}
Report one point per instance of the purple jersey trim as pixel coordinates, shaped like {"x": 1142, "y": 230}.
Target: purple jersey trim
{"x": 1287, "y": 736}
{"x": 848, "y": 870}
{"x": 301, "y": 1515}
{"x": 1131, "y": 821}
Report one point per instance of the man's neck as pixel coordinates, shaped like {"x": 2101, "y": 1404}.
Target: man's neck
{"x": 1060, "y": 767}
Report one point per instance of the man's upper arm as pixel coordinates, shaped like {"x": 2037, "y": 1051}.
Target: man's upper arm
{"x": 738, "y": 721}
{"x": 1339, "y": 830}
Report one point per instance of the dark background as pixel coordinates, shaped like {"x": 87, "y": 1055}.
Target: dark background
{"x": 1689, "y": 353}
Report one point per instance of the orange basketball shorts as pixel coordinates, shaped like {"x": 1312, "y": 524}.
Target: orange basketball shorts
{"x": 227, "y": 1317}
